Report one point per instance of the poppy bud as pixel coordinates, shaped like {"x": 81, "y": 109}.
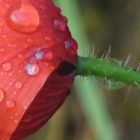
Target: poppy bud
{"x": 37, "y": 65}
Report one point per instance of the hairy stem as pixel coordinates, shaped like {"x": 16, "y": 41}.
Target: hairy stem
{"x": 107, "y": 69}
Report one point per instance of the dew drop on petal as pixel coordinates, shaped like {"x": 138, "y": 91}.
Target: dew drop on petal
{"x": 10, "y": 104}
{"x": 18, "y": 85}
{"x": 25, "y": 18}
{"x": 16, "y": 114}
{"x": 4, "y": 36}
{"x": 1, "y": 95}
{"x": 2, "y": 49}
{"x": 10, "y": 74}
{"x": 49, "y": 55}
{"x": 59, "y": 24}
{"x": 39, "y": 55}
{"x": 11, "y": 117}
{"x": 47, "y": 38}
{"x": 32, "y": 69}
{"x": 16, "y": 121}
{"x": 20, "y": 56}
{"x": 71, "y": 46}
{"x": 6, "y": 66}
{"x": 29, "y": 40}
{"x": 25, "y": 107}
{"x": 43, "y": 54}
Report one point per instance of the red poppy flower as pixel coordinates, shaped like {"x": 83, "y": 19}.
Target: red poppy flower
{"x": 37, "y": 65}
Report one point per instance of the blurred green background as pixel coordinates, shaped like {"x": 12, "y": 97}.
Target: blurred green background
{"x": 93, "y": 112}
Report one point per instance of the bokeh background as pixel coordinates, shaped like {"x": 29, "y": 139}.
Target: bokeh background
{"x": 92, "y": 111}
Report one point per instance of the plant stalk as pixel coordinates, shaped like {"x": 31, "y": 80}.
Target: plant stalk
{"x": 107, "y": 69}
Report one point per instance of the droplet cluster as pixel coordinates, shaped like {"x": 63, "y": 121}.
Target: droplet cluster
{"x": 34, "y": 41}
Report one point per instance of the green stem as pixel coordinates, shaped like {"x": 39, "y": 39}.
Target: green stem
{"x": 107, "y": 69}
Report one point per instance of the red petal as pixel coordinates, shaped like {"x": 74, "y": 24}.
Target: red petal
{"x": 48, "y": 100}
{"x": 19, "y": 91}
{"x": 34, "y": 40}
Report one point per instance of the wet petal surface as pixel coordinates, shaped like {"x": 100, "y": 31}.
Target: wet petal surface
{"x": 34, "y": 41}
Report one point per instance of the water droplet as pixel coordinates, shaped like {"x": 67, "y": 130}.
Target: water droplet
{"x": 31, "y": 69}
{"x": 25, "y": 46}
{"x": 25, "y": 107}
{"x": 25, "y": 18}
{"x": 10, "y": 83}
{"x": 43, "y": 54}
{"x": 29, "y": 40}
{"x": 59, "y": 24}
{"x": 16, "y": 121}
{"x": 4, "y": 36}
{"x": 16, "y": 114}
{"x": 10, "y": 104}
{"x": 10, "y": 74}
{"x": 71, "y": 46}
{"x": 20, "y": 56}
{"x": 1, "y": 95}
{"x": 9, "y": 44}
{"x": 11, "y": 117}
{"x": 2, "y": 49}
{"x": 47, "y": 38}
{"x": 18, "y": 85}
{"x": 6, "y": 66}
{"x": 49, "y": 55}
{"x": 1, "y": 73}
{"x": 39, "y": 55}
{"x": 7, "y": 5}
{"x": 19, "y": 71}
